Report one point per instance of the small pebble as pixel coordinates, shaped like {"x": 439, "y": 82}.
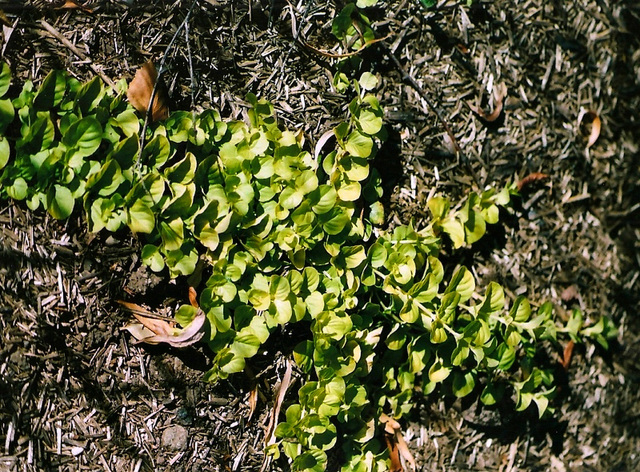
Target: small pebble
{"x": 175, "y": 437}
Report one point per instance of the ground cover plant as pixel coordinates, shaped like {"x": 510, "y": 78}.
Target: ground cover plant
{"x": 516, "y": 82}
{"x": 276, "y": 236}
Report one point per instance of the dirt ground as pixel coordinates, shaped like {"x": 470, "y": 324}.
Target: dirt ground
{"x": 76, "y": 394}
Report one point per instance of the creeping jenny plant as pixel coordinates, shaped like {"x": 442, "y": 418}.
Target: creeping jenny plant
{"x": 289, "y": 238}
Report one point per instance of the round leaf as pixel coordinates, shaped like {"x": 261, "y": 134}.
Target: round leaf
{"x": 60, "y": 202}
{"x": 85, "y": 135}
{"x": 358, "y": 144}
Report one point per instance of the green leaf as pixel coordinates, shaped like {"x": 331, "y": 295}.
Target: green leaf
{"x": 152, "y": 257}
{"x": 60, "y": 202}
{"x": 358, "y": 144}
{"x": 5, "y": 151}
{"x": 368, "y": 81}
{"x": 463, "y": 384}
{"x": 353, "y": 256}
{"x": 324, "y": 199}
{"x": 438, "y": 372}
{"x": 521, "y": 310}
{"x": 140, "y": 218}
{"x": 89, "y": 95}
{"x": 85, "y": 135}
{"x": 156, "y": 152}
{"x": 183, "y": 171}
{"x": 245, "y": 345}
{"x": 493, "y": 300}
{"x": 303, "y": 356}
{"x": 474, "y": 226}
{"x": 376, "y": 213}
{"x": 355, "y": 168}
{"x": 7, "y": 113}
{"x": 182, "y": 261}
{"x": 313, "y": 460}
{"x": 377, "y": 254}
{"x": 51, "y": 91}
{"x": 5, "y": 79}
{"x": 455, "y": 229}
{"x": 492, "y": 394}
{"x": 18, "y": 189}
{"x": 107, "y": 180}
{"x": 336, "y": 222}
{"x": 172, "y": 233}
{"x": 128, "y": 122}
{"x": 370, "y": 122}
{"x": 463, "y": 283}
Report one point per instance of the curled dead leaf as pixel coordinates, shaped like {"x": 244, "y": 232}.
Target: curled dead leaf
{"x": 566, "y": 355}
{"x": 397, "y": 445}
{"x": 156, "y": 329}
{"x": 141, "y": 90}
{"x": 533, "y": 177}
{"x": 589, "y": 124}
{"x": 499, "y": 94}
{"x": 73, "y": 5}
{"x": 193, "y": 297}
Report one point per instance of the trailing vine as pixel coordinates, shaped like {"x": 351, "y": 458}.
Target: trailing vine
{"x": 289, "y": 237}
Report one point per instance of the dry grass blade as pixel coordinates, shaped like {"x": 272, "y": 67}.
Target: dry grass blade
{"x": 4, "y": 20}
{"x": 281, "y": 391}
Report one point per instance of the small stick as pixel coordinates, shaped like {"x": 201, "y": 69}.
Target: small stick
{"x": 56, "y": 34}
{"x": 147, "y": 116}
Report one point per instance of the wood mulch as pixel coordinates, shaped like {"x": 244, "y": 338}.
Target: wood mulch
{"x": 76, "y": 394}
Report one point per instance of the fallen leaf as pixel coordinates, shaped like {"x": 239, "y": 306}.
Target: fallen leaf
{"x": 396, "y": 443}
{"x": 499, "y": 94}
{"x": 72, "y": 5}
{"x": 141, "y": 89}
{"x": 193, "y": 297}
{"x": 566, "y": 355}
{"x": 533, "y": 177}
{"x": 590, "y": 125}
{"x": 155, "y": 329}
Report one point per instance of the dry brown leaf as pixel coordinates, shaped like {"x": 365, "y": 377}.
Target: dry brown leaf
{"x": 394, "y": 454}
{"x": 533, "y": 177}
{"x": 397, "y": 444}
{"x": 566, "y": 355}
{"x": 499, "y": 94}
{"x": 71, "y": 5}
{"x": 193, "y": 297}
{"x": 141, "y": 89}
{"x": 590, "y": 125}
{"x": 156, "y": 329}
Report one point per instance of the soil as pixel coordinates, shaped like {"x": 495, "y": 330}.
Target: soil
{"x": 77, "y": 394}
